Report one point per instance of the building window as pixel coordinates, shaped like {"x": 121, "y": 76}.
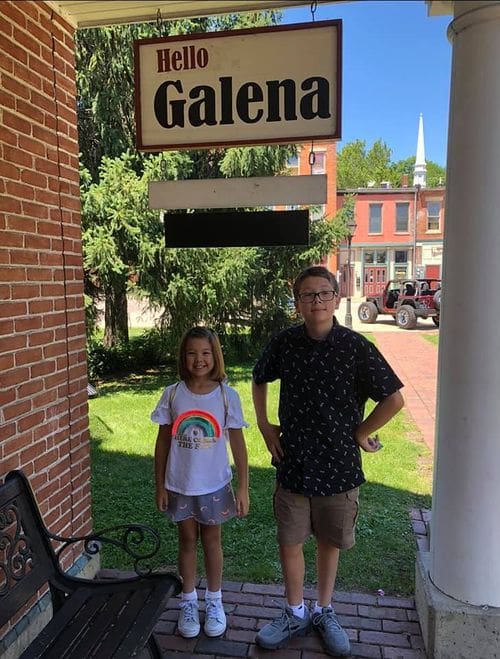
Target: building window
{"x": 433, "y": 215}
{"x": 375, "y": 219}
{"x": 375, "y": 257}
{"x": 401, "y": 256}
{"x": 319, "y": 166}
{"x": 402, "y": 217}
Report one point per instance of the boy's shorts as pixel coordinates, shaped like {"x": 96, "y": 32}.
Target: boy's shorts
{"x": 331, "y": 520}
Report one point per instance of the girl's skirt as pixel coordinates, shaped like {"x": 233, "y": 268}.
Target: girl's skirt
{"x": 214, "y": 508}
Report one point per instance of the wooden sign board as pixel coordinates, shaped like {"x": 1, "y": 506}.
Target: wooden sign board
{"x": 237, "y": 229}
{"x": 269, "y": 85}
{"x": 239, "y": 192}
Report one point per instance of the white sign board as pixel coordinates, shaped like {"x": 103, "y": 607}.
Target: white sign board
{"x": 258, "y": 86}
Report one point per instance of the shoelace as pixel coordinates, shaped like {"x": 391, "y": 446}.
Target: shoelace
{"x": 212, "y": 610}
{"x": 328, "y": 619}
{"x": 285, "y": 620}
{"x": 188, "y": 609}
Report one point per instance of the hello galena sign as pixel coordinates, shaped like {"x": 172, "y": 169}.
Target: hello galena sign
{"x": 256, "y": 86}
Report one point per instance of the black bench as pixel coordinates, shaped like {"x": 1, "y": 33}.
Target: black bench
{"x": 91, "y": 618}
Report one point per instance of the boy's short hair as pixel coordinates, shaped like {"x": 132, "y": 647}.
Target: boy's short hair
{"x": 218, "y": 373}
{"x": 314, "y": 271}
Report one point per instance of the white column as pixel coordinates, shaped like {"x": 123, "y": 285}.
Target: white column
{"x": 465, "y": 532}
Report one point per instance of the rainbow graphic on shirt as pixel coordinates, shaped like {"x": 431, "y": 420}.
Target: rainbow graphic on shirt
{"x": 196, "y": 429}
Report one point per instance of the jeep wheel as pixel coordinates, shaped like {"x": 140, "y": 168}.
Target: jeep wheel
{"x": 435, "y": 320}
{"x": 367, "y": 312}
{"x": 406, "y": 318}
{"x": 437, "y": 299}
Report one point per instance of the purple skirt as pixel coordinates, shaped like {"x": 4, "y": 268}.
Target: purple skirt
{"x": 214, "y": 508}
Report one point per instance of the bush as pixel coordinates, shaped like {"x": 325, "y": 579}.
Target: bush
{"x": 149, "y": 350}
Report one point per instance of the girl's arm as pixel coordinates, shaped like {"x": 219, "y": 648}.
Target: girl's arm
{"x": 239, "y": 451}
{"x": 162, "y": 448}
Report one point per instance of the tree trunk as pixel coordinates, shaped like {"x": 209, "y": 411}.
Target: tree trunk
{"x": 115, "y": 317}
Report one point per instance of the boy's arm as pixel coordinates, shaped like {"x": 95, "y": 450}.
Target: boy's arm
{"x": 162, "y": 448}
{"x": 239, "y": 451}
{"x": 269, "y": 431}
{"x": 380, "y": 415}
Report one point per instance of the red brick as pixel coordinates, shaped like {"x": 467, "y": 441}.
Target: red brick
{"x": 28, "y": 324}
{"x": 30, "y": 422}
{"x": 9, "y": 309}
{"x": 10, "y": 11}
{"x": 31, "y": 356}
{"x": 12, "y": 239}
{"x": 14, "y": 86}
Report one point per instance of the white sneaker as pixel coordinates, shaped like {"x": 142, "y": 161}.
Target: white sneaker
{"x": 215, "y": 618}
{"x": 188, "y": 623}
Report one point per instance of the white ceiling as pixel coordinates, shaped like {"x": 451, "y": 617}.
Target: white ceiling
{"x": 90, "y": 13}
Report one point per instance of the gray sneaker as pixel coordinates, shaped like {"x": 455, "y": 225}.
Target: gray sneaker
{"x": 280, "y": 631}
{"x": 334, "y": 637}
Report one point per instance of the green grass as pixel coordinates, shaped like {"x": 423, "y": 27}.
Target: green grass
{"x": 432, "y": 338}
{"x": 398, "y": 478}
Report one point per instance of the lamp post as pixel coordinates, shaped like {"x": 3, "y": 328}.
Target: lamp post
{"x": 351, "y": 225}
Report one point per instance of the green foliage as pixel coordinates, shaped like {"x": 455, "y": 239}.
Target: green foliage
{"x": 436, "y": 175}
{"x": 356, "y": 166}
{"x": 149, "y": 349}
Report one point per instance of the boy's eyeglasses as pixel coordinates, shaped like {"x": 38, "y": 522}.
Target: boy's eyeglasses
{"x": 323, "y": 296}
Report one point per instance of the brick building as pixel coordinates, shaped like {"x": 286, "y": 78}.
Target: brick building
{"x": 399, "y": 233}
{"x": 43, "y": 409}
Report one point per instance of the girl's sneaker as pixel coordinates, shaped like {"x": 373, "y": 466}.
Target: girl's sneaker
{"x": 215, "y": 618}
{"x": 189, "y": 619}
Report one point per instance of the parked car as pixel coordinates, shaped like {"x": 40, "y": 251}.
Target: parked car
{"x": 406, "y": 300}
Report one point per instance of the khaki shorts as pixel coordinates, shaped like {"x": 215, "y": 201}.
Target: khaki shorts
{"x": 331, "y": 520}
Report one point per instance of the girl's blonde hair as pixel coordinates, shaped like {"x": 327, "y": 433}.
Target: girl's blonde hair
{"x": 218, "y": 372}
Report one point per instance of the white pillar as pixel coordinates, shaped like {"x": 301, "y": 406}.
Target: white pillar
{"x": 465, "y": 532}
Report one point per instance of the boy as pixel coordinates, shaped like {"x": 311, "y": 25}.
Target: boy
{"x": 327, "y": 374}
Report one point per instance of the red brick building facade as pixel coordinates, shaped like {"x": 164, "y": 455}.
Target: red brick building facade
{"x": 399, "y": 233}
{"x": 43, "y": 418}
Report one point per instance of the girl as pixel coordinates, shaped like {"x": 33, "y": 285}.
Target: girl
{"x": 192, "y": 471}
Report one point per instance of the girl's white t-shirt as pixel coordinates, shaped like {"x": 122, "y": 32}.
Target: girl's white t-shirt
{"x": 198, "y": 461}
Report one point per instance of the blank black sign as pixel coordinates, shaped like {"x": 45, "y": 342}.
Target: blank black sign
{"x": 237, "y": 229}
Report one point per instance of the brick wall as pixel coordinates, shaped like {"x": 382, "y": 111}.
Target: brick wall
{"x": 43, "y": 400}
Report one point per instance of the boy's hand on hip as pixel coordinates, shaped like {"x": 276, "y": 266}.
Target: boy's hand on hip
{"x": 370, "y": 444}
{"x": 272, "y": 434}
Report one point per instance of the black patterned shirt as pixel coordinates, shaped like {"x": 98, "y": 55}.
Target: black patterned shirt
{"x": 324, "y": 387}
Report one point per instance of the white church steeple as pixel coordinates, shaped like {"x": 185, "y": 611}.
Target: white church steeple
{"x": 420, "y": 169}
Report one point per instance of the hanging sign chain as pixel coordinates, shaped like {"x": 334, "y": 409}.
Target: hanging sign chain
{"x": 312, "y": 155}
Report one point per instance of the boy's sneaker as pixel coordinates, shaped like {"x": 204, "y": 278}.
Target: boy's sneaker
{"x": 334, "y": 637}
{"x": 279, "y": 632}
{"x": 215, "y": 618}
{"x": 188, "y": 623}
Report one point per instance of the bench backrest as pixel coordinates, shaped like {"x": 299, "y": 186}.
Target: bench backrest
{"x": 27, "y": 559}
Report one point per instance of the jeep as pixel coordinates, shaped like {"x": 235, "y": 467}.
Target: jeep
{"x": 406, "y": 300}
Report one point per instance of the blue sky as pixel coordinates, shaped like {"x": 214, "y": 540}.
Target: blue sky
{"x": 396, "y": 65}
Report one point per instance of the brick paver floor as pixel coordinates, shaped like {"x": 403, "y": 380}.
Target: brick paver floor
{"x": 379, "y": 627}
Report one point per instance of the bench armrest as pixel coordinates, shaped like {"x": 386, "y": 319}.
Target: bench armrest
{"x": 139, "y": 541}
